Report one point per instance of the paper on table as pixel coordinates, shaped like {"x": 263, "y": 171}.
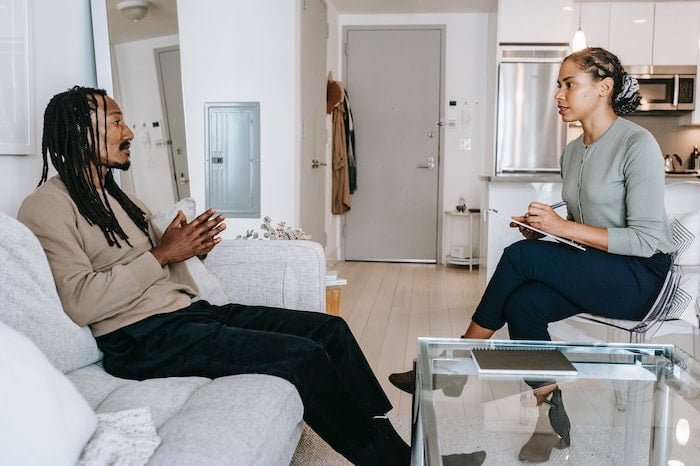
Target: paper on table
{"x": 530, "y": 227}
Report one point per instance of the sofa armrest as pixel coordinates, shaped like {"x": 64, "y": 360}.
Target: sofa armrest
{"x": 306, "y": 258}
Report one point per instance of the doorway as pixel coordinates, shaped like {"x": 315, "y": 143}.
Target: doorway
{"x": 312, "y": 187}
{"x": 394, "y": 81}
{"x": 170, "y": 86}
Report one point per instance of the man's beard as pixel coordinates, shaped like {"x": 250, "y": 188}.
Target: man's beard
{"x": 121, "y": 166}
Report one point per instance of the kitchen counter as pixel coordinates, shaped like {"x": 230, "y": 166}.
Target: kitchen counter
{"x": 510, "y": 194}
{"x": 556, "y": 177}
{"x": 682, "y": 176}
{"x": 523, "y": 178}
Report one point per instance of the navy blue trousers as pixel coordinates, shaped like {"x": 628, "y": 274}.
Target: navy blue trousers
{"x": 316, "y": 352}
{"x": 538, "y": 282}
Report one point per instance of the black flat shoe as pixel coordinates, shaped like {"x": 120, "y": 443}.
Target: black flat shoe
{"x": 450, "y": 384}
{"x": 464, "y": 459}
{"x": 551, "y": 431}
{"x": 558, "y": 417}
{"x": 404, "y": 381}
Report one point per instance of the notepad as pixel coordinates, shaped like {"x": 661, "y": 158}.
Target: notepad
{"x": 522, "y": 362}
{"x": 548, "y": 235}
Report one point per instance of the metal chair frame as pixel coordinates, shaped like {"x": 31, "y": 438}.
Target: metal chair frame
{"x": 668, "y": 305}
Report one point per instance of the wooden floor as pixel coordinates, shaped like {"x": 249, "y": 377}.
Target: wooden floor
{"x": 389, "y": 305}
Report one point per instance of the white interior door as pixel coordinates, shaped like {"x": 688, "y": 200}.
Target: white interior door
{"x": 393, "y": 79}
{"x": 312, "y": 186}
{"x": 170, "y": 81}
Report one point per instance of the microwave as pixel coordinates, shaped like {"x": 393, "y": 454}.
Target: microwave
{"x": 665, "y": 88}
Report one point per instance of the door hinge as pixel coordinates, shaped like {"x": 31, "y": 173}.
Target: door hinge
{"x": 328, "y": 31}
{"x": 304, "y": 4}
{"x": 347, "y": 49}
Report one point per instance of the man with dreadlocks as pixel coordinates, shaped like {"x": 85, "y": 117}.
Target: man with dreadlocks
{"x": 116, "y": 275}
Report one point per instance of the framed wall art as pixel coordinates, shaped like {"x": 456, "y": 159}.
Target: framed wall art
{"x": 16, "y": 79}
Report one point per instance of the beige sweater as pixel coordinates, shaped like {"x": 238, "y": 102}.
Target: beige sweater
{"x": 102, "y": 286}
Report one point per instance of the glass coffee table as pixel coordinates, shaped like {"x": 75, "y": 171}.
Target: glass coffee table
{"x": 628, "y": 404}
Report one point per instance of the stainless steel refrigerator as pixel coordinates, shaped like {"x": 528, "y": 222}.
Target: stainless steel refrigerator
{"x": 530, "y": 132}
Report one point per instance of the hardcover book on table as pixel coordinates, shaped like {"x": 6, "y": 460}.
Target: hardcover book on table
{"x": 522, "y": 361}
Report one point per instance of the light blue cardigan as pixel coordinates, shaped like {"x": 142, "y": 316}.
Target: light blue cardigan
{"x": 617, "y": 182}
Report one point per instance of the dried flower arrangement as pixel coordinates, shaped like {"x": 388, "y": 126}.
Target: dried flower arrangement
{"x": 281, "y": 231}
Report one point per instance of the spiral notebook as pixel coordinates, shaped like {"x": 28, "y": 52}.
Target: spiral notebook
{"x": 522, "y": 362}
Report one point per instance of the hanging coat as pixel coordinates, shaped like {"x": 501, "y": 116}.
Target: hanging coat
{"x": 341, "y": 181}
{"x": 350, "y": 144}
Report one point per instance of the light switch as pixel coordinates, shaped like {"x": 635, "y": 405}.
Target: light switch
{"x": 465, "y": 144}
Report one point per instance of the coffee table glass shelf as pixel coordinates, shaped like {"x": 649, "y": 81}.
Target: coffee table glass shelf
{"x": 628, "y": 404}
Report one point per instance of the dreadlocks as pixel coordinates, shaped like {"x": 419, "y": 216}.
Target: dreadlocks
{"x": 72, "y": 142}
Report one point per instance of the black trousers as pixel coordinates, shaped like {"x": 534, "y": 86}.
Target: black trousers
{"x": 538, "y": 282}
{"x": 314, "y": 351}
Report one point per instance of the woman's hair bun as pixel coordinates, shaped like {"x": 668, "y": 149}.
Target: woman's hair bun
{"x": 627, "y": 99}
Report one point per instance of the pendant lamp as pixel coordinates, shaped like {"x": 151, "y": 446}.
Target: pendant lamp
{"x": 579, "y": 40}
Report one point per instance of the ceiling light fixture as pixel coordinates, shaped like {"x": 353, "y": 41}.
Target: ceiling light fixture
{"x": 579, "y": 40}
{"x": 134, "y": 10}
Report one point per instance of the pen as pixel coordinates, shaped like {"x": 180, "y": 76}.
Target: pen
{"x": 556, "y": 205}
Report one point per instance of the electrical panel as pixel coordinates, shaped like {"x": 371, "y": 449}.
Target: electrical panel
{"x": 232, "y": 140}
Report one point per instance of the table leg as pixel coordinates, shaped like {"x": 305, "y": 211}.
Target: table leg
{"x": 333, "y": 301}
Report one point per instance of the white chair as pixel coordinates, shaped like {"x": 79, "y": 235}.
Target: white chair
{"x": 680, "y": 197}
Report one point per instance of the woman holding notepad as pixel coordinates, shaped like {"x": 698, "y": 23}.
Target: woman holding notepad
{"x": 613, "y": 187}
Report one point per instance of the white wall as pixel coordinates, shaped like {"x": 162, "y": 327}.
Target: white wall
{"x": 63, "y": 56}
{"x": 239, "y": 50}
{"x": 465, "y": 82}
{"x": 139, "y": 97}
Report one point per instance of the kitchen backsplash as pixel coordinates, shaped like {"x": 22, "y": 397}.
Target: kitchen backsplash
{"x": 673, "y": 138}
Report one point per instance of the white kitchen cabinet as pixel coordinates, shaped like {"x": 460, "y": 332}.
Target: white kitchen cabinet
{"x": 595, "y": 22}
{"x": 631, "y": 32}
{"x": 535, "y": 21}
{"x": 693, "y": 118}
{"x": 676, "y": 33}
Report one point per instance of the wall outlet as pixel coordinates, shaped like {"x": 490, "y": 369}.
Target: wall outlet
{"x": 465, "y": 144}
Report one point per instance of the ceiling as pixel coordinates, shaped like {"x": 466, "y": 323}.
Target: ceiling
{"x": 162, "y": 15}
{"x": 412, "y": 6}
{"x": 161, "y": 20}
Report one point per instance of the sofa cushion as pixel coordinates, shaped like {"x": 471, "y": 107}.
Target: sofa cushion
{"x": 44, "y": 418}
{"x": 240, "y": 419}
{"x": 30, "y": 303}
{"x": 207, "y": 284}
{"x": 273, "y": 284}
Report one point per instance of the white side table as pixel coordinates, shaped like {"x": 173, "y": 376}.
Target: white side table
{"x": 471, "y": 259}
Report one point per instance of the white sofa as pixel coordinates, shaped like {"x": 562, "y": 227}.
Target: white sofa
{"x": 242, "y": 420}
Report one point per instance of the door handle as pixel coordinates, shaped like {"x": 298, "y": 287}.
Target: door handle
{"x": 430, "y": 163}
{"x": 315, "y": 164}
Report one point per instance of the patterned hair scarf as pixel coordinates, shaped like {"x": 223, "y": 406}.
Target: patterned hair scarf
{"x": 628, "y": 98}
